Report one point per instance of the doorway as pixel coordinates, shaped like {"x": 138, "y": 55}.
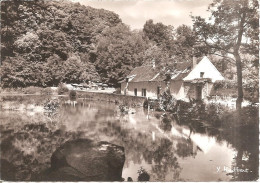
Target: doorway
{"x": 158, "y": 91}
{"x": 144, "y": 92}
{"x": 198, "y": 92}
{"x": 135, "y": 91}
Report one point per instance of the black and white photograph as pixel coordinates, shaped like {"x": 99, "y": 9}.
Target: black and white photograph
{"x": 129, "y": 91}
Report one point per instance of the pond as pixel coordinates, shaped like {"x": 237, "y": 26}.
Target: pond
{"x": 168, "y": 150}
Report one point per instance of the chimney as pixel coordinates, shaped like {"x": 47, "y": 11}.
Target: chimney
{"x": 153, "y": 64}
{"x": 194, "y": 59}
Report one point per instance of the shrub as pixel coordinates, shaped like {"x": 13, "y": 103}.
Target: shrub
{"x": 31, "y": 90}
{"x": 73, "y": 95}
{"x": 62, "y": 89}
{"x": 51, "y": 105}
{"x": 46, "y": 91}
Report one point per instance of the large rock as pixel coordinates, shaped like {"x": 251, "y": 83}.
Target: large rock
{"x": 85, "y": 160}
{"x": 8, "y": 170}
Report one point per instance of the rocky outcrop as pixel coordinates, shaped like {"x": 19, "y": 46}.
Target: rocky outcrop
{"x": 85, "y": 160}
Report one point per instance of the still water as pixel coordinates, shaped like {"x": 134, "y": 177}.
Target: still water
{"x": 166, "y": 149}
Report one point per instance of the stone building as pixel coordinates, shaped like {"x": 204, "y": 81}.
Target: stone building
{"x": 188, "y": 80}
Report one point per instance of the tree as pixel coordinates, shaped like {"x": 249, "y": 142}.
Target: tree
{"x": 231, "y": 31}
{"x": 184, "y": 40}
{"x": 119, "y": 50}
{"x": 161, "y": 34}
{"x": 18, "y": 72}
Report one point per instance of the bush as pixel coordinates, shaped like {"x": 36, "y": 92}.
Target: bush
{"x": 62, "y": 89}
{"x": 51, "y": 105}
{"x": 46, "y": 91}
{"x": 32, "y": 90}
{"x": 73, "y": 95}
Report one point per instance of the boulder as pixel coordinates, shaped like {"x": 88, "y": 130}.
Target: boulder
{"x": 8, "y": 170}
{"x": 86, "y": 160}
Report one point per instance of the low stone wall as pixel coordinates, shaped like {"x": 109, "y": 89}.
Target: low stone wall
{"x": 111, "y": 97}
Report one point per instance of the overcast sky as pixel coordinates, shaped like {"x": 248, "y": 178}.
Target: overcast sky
{"x": 136, "y": 12}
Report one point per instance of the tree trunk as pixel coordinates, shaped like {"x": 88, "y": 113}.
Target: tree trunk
{"x": 239, "y": 64}
{"x": 240, "y": 94}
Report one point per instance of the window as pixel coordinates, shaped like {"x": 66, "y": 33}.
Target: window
{"x": 201, "y": 74}
{"x": 144, "y": 92}
{"x": 135, "y": 91}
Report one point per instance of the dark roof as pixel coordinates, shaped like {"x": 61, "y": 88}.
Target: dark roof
{"x": 148, "y": 73}
{"x": 145, "y": 73}
{"x": 182, "y": 65}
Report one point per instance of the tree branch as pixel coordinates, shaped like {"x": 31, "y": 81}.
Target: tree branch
{"x": 229, "y": 59}
{"x": 216, "y": 47}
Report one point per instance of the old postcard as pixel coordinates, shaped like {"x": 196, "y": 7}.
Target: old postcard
{"x": 137, "y": 90}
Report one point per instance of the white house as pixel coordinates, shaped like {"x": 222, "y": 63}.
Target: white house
{"x": 188, "y": 80}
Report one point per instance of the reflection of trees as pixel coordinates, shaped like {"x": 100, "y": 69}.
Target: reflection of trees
{"x": 165, "y": 123}
{"x": 243, "y": 137}
{"x": 185, "y": 148}
{"x": 139, "y": 146}
{"x": 165, "y": 161}
{"x": 245, "y": 140}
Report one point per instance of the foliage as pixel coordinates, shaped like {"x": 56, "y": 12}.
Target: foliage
{"x": 62, "y": 89}
{"x": 227, "y": 84}
{"x": 32, "y": 90}
{"x": 31, "y": 146}
{"x": 17, "y": 72}
{"x": 46, "y": 91}
{"x": 51, "y": 105}
{"x": 231, "y": 32}
{"x": 119, "y": 50}
{"x": 73, "y": 95}
{"x": 43, "y": 46}
{"x": 159, "y": 33}
{"x": 167, "y": 102}
{"x": 170, "y": 45}
{"x": 143, "y": 175}
{"x": 44, "y": 43}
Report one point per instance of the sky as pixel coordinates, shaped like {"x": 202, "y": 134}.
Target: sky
{"x": 136, "y": 12}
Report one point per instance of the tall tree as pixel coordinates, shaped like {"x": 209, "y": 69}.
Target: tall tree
{"x": 161, "y": 34}
{"x": 119, "y": 50}
{"x": 231, "y": 30}
{"x": 184, "y": 40}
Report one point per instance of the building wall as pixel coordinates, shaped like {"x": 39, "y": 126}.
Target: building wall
{"x": 150, "y": 86}
{"x": 207, "y": 68}
{"x": 111, "y": 97}
{"x": 189, "y": 90}
{"x": 210, "y": 88}
{"x": 177, "y": 89}
{"x": 123, "y": 85}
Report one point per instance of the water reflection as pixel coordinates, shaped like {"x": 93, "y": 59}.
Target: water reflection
{"x": 168, "y": 149}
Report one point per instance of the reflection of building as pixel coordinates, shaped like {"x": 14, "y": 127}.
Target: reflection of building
{"x": 188, "y": 80}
